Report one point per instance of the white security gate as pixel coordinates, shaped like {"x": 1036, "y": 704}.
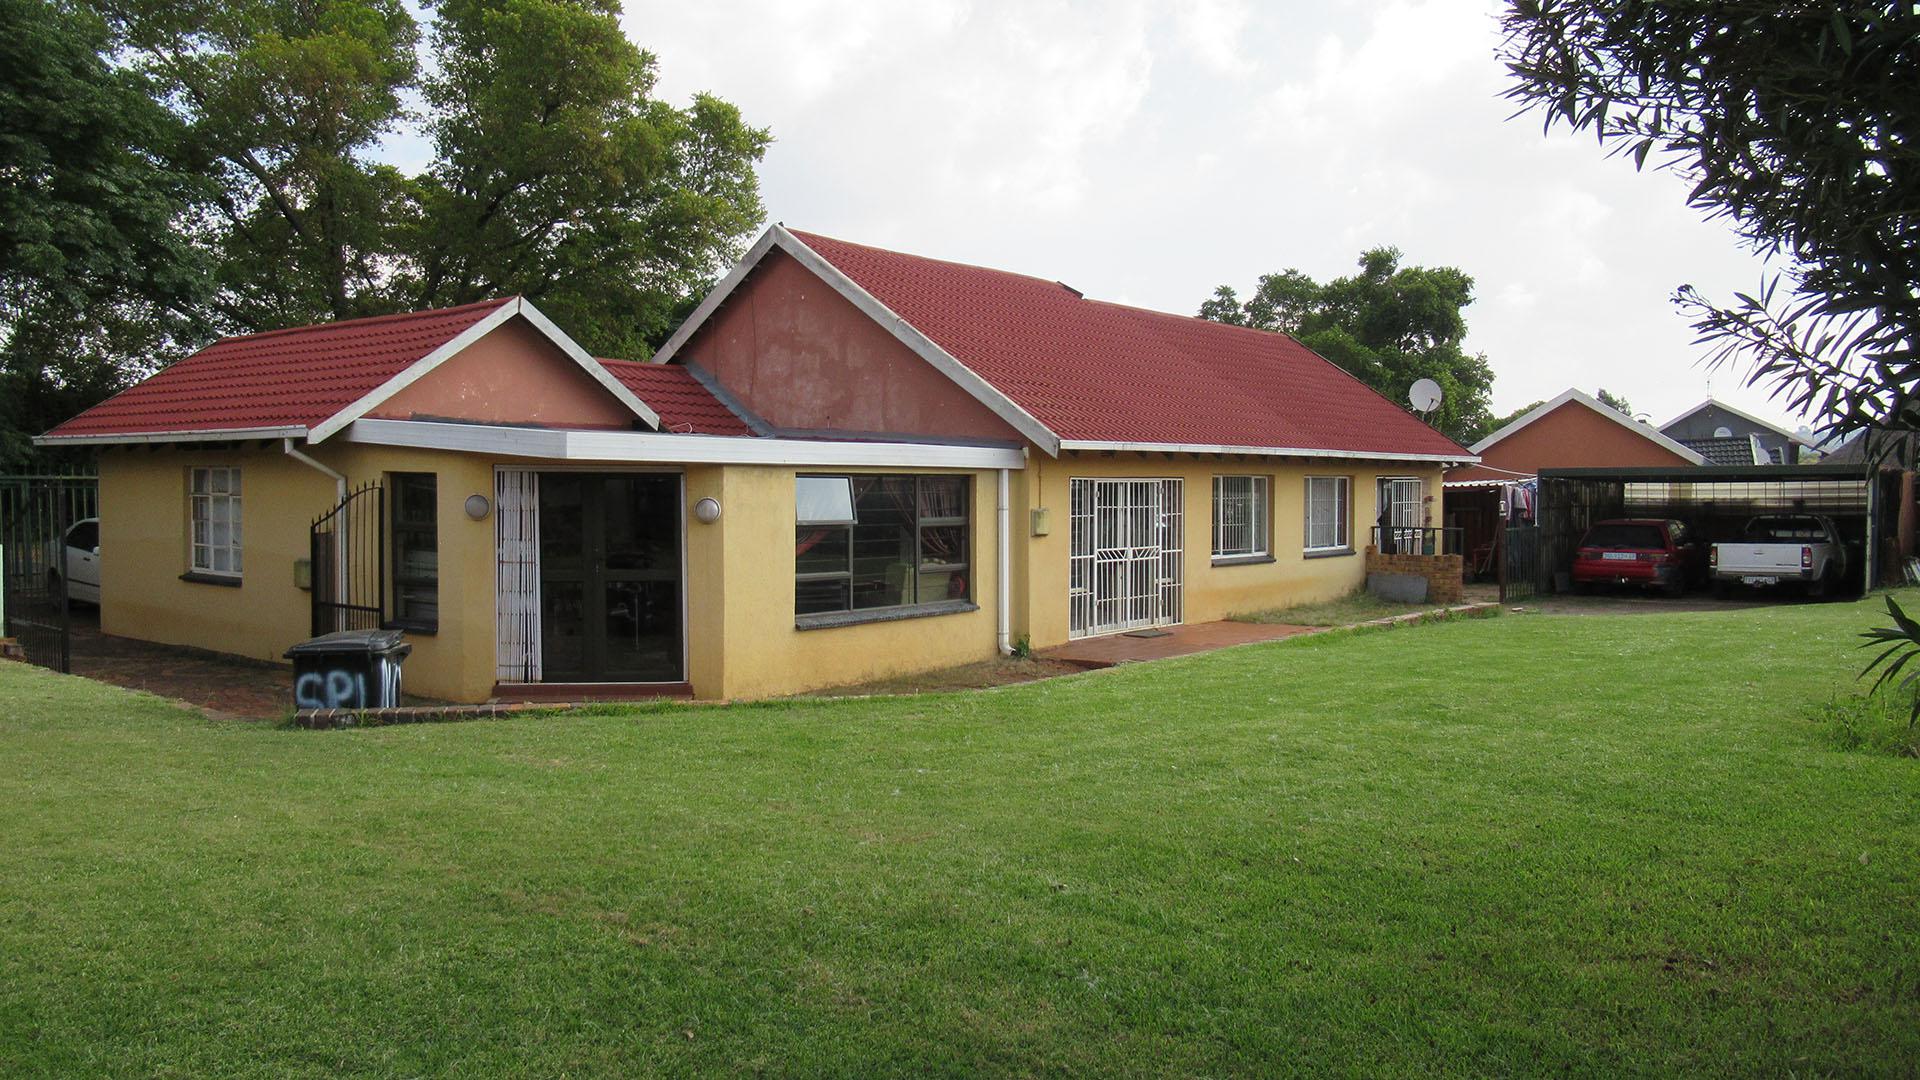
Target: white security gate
{"x": 516, "y": 516}
{"x": 1127, "y": 551}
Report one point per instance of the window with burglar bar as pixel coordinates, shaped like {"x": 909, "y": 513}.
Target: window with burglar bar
{"x": 1400, "y": 497}
{"x": 213, "y": 509}
{"x": 1239, "y": 516}
{"x": 1327, "y": 514}
{"x": 906, "y": 546}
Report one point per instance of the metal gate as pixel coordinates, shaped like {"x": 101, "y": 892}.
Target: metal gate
{"x": 347, "y": 554}
{"x": 1520, "y": 565}
{"x": 36, "y": 513}
{"x": 1127, "y": 555}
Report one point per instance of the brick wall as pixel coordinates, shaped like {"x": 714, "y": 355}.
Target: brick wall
{"x": 1444, "y": 573}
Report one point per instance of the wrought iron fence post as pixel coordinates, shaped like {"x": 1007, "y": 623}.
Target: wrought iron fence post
{"x": 60, "y": 526}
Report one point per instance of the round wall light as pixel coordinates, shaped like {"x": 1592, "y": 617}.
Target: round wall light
{"x": 707, "y": 511}
{"x": 477, "y": 507}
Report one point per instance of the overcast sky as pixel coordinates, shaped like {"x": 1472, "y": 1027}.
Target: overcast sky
{"x": 1147, "y": 152}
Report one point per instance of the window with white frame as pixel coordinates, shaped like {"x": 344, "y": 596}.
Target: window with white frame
{"x": 1239, "y": 516}
{"x": 213, "y": 510}
{"x": 1327, "y": 514}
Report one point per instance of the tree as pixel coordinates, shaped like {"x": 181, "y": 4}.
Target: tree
{"x": 95, "y": 281}
{"x": 555, "y": 174}
{"x": 1614, "y": 402}
{"x": 1388, "y": 325}
{"x": 1496, "y": 423}
{"x": 559, "y": 178}
{"x": 1800, "y": 126}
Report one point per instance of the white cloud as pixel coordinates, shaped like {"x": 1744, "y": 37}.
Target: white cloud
{"x": 1152, "y": 149}
{"x": 1214, "y": 30}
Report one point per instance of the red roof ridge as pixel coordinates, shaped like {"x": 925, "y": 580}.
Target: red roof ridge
{"x": 369, "y": 320}
{"x": 1071, "y": 291}
{"x": 1052, "y": 283}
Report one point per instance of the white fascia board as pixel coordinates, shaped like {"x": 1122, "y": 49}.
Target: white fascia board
{"x": 1264, "y": 451}
{"x": 1490, "y": 483}
{"x": 594, "y": 369}
{"x": 1572, "y": 396}
{"x": 715, "y": 297}
{"x": 1690, "y": 412}
{"x": 650, "y": 447}
{"x": 1747, "y": 416}
{"x": 869, "y": 305}
{"x": 417, "y": 370}
{"x": 139, "y": 439}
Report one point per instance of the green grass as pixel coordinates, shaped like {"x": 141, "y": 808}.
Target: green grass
{"x": 1355, "y": 607}
{"x": 1531, "y": 844}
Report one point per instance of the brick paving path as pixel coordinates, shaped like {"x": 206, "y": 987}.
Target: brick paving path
{"x": 220, "y": 685}
{"x": 1176, "y": 641}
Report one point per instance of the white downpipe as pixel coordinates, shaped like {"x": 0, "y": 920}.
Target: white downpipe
{"x": 1005, "y": 576}
{"x": 339, "y": 496}
{"x": 339, "y": 479}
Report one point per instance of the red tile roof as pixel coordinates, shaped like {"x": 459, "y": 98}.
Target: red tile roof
{"x": 296, "y": 377}
{"x": 301, "y": 377}
{"x": 1096, "y": 371}
{"x": 683, "y": 403}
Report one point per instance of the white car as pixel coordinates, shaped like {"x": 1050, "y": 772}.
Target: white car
{"x": 1806, "y": 549}
{"x": 82, "y": 550}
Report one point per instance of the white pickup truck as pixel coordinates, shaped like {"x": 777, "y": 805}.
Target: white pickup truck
{"x": 1777, "y": 548}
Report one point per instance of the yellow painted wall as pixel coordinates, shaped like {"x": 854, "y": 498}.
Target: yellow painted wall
{"x": 741, "y": 638}
{"x": 1212, "y": 592}
{"x": 143, "y": 551}
{"x": 761, "y": 653}
{"x": 143, "y": 545}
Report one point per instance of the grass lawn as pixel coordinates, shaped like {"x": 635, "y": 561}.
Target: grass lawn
{"x": 1528, "y": 844}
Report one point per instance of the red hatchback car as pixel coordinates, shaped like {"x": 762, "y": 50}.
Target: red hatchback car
{"x": 1645, "y": 552}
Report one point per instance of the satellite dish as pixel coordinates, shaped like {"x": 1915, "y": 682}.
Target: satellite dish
{"x": 1424, "y": 396}
{"x": 1723, "y": 432}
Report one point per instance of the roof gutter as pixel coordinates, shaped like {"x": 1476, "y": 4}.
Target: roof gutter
{"x": 339, "y": 479}
{"x": 154, "y": 438}
{"x": 1266, "y": 451}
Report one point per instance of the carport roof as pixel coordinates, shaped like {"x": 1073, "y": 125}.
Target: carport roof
{"x": 1708, "y": 473}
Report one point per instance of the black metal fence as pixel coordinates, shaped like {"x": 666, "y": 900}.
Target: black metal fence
{"x": 1520, "y": 565}
{"x": 36, "y": 512}
{"x": 347, "y": 557}
{"x": 1416, "y": 540}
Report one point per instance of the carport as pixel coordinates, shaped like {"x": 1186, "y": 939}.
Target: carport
{"x": 1864, "y": 502}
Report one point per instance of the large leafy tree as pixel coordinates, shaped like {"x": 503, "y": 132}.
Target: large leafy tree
{"x": 92, "y": 269}
{"x": 558, "y": 177}
{"x": 179, "y": 168}
{"x": 1389, "y": 325}
{"x": 555, "y": 173}
{"x": 1799, "y": 124}
{"x": 285, "y": 104}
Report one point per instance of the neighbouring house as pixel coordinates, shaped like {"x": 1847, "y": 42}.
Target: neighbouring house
{"x": 1726, "y": 436}
{"x": 848, "y": 463}
{"x": 1573, "y": 430}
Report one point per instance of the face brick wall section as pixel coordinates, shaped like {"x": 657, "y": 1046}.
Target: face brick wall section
{"x": 1444, "y": 573}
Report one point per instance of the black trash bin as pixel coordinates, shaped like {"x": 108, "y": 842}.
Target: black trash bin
{"x": 349, "y": 669}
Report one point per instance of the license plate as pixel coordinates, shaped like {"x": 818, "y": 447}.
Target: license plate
{"x": 1619, "y": 556}
{"x": 1759, "y": 581}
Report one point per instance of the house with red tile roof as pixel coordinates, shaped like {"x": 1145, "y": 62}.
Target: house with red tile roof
{"x": 848, "y": 463}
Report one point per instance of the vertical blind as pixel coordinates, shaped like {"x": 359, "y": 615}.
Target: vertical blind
{"x": 516, "y": 517}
